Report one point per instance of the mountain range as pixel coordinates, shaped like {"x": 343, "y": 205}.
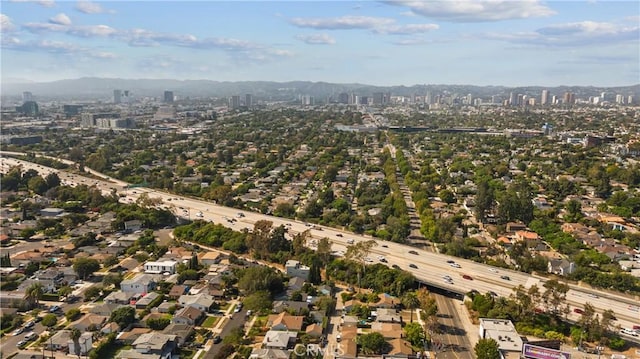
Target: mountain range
{"x": 91, "y": 88}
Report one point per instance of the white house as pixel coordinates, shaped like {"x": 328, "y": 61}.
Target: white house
{"x": 157, "y": 267}
{"x": 141, "y": 283}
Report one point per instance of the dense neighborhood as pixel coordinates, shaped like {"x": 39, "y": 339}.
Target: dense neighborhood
{"x": 548, "y": 191}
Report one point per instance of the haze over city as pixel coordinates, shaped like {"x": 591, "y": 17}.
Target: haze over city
{"x": 510, "y": 43}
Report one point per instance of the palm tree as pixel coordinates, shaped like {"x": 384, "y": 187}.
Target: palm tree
{"x": 33, "y": 294}
{"x": 410, "y": 301}
{"x": 75, "y": 336}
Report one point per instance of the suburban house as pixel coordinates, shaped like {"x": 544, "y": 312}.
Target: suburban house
{"x": 141, "y": 283}
{"x": 269, "y": 354}
{"x": 181, "y": 331}
{"x": 285, "y": 321}
{"x": 118, "y": 297}
{"x": 145, "y": 301}
{"x": 560, "y": 266}
{"x": 274, "y": 339}
{"x": 203, "y": 302}
{"x": 158, "y": 267}
{"x": 150, "y": 345}
{"x": 296, "y": 269}
{"x": 388, "y": 316}
{"x": 188, "y": 315}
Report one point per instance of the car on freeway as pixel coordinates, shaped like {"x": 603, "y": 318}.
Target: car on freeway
{"x": 413, "y": 266}
{"x": 450, "y": 261}
{"x": 455, "y": 265}
{"x": 592, "y": 295}
{"x": 384, "y": 246}
{"x": 446, "y": 277}
{"x": 383, "y": 260}
{"x": 505, "y": 277}
{"x": 578, "y": 311}
{"x": 349, "y": 241}
{"x": 493, "y": 270}
{"x": 467, "y": 277}
{"x": 395, "y": 266}
{"x": 629, "y": 332}
{"x": 339, "y": 235}
{"x": 493, "y": 294}
{"x": 413, "y": 252}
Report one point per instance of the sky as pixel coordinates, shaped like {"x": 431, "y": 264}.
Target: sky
{"x": 385, "y": 43}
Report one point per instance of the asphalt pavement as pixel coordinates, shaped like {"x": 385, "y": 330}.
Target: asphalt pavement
{"x": 237, "y": 321}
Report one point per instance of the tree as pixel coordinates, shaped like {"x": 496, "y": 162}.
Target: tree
{"x": 52, "y": 180}
{"x": 158, "y": 323}
{"x": 358, "y": 252}
{"x": 410, "y": 301}
{"x": 555, "y": 294}
{"x": 33, "y": 294}
{"x": 85, "y": 266}
{"x": 487, "y": 348}
{"x": 75, "y": 336}
{"x": 64, "y": 291}
{"x": 72, "y": 314}
{"x": 92, "y": 292}
{"x": 123, "y": 316}
{"x": 373, "y": 344}
{"x": 447, "y": 196}
{"x": 112, "y": 279}
{"x": 258, "y": 301}
{"x": 5, "y": 261}
{"x": 49, "y": 321}
{"x": 414, "y": 333}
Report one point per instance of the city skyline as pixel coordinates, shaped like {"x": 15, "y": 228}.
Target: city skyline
{"x": 386, "y": 43}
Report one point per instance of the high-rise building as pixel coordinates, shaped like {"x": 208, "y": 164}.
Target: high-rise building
{"x": 544, "y": 99}
{"x": 234, "y": 102}
{"x": 117, "y": 96}
{"x": 168, "y": 96}
{"x": 343, "y": 98}
{"x": 569, "y": 98}
{"x": 27, "y": 96}
{"x": 248, "y": 100}
{"x": 378, "y": 98}
{"x": 512, "y": 99}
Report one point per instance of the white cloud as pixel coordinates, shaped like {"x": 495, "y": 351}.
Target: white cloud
{"x": 89, "y": 7}
{"x": 407, "y": 29}
{"x": 583, "y": 33}
{"x": 317, "y": 39}
{"x": 45, "y": 3}
{"x": 342, "y": 23}
{"x": 410, "y": 42}
{"x": 476, "y": 11}
{"x": 44, "y": 27}
{"x": 6, "y": 25}
{"x": 60, "y": 19}
{"x": 54, "y": 47}
{"x": 92, "y": 31}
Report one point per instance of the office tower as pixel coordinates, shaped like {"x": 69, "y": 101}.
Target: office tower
{"x": 554, "y": 100}
{"x": 512, "y": 99}
{"x": 378, "y": 98}
{"x": 619, "y": 99}
{"x": 27, "y": 96}
{"x": 630, "y": 100}
{"x": 117, "y": 96}
{"x": 429, "y": 98}
{"x": 343, "y": 98}
{"x": 168, "y": 96}
{"x": 544, "y": 99}
{"x": 569, "y": 98}
{"x": 234, "y": 102}
{"x": 248, "y": 100}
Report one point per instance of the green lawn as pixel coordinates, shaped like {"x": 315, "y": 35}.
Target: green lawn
{"x": 210, "y": 322}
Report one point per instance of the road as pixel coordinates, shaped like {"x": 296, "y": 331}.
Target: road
{"x": 452, "y": 341}
{"x": 237, "y": 321}
{"x": 429, "y": 267}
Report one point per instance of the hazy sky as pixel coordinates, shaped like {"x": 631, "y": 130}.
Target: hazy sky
{"x": 495, "y": 42}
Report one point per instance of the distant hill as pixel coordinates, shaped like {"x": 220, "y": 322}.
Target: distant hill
{"x": 102, "y": 88}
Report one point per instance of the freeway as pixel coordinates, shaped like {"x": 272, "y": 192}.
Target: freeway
{"x": 428, "y": 267}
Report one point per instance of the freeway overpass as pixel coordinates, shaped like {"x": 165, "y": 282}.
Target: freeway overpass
{"x": 429, "y": 268}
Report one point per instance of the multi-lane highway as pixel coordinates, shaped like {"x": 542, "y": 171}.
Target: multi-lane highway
{"x": 428, "y": 267}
